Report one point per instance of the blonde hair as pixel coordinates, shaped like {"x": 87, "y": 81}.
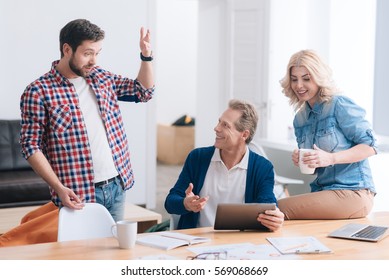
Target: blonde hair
{"x": 319, "y": 72}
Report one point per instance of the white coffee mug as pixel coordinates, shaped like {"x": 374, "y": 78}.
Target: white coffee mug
{"x": 125, "y": 232}
{"x": 304, "y": 168}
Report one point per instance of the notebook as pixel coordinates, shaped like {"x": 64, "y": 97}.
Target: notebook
{"x": 168, "y": 240}
{"x": 362, "y": 232}
{"x": 240, "y": 216}
{"x": 298, "y": 245}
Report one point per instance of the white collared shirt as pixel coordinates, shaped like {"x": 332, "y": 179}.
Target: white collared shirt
{"x": 222, "y": 186}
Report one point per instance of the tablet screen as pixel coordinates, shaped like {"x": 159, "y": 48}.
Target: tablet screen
{"x": 241, "y": 216}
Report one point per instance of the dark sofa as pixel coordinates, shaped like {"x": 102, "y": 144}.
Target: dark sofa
{"x": 19, "y": 184}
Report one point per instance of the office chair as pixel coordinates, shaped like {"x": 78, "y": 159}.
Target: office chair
{"x": 278, "y": 180}
{"x": 174, "y": 218}
{"x": 93, "y": 221}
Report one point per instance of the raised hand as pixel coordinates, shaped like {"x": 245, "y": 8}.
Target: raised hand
{"x": 144, "y": 42}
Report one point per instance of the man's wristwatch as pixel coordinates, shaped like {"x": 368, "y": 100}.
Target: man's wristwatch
{"x": 146, "y": 58}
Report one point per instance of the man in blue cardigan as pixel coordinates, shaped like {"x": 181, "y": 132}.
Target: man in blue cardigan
{"x": 228, "y": 172}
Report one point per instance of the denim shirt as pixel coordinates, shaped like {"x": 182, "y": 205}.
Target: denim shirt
{"x": 334, "y": 126}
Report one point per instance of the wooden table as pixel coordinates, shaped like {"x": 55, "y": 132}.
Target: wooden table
{"x": 11, "y": 217}
{"x": 145, "y": 218}
{"x": 107, "y": 248}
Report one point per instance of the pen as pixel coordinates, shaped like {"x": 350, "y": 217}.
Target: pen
{"x": 295, "y": 247}
{"x": 312, "y": 252}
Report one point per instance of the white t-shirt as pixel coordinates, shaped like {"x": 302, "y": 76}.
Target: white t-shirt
{"x": 222, "y": 186}
{"x": 103, "y": 164}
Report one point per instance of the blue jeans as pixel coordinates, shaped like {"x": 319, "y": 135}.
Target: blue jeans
{"x": 113, "y": 197}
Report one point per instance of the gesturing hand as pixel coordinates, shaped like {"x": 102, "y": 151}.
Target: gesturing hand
{"x": 144, "y": 42}
{"x": 193, "y": 202}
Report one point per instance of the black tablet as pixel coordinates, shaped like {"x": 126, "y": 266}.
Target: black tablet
{"x": 241, "y": 216}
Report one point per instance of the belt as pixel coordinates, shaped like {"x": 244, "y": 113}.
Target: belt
{"x": 105, "y": 182}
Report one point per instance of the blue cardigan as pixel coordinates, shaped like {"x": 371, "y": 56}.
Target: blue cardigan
{"x": 259, "y": 183}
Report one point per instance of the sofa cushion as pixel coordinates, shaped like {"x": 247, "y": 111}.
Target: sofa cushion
{"x": 22, "y": 188}
{"x": 10, "y": 149}
{"x": 19, "y": 184}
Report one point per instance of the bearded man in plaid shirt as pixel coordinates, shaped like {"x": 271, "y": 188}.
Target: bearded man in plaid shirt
{"x": 72, "y": 129}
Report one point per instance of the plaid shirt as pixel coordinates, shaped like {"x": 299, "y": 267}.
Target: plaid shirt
{"x": 52, "y": 122}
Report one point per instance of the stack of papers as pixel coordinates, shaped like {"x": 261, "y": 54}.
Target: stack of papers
{"x": 245, "y": 251}
{"x": 169, "y": 240}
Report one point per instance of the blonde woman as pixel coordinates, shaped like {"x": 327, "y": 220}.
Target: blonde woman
{"x": 336, "y": 128}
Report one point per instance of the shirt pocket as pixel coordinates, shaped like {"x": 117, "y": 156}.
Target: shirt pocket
{"x": 326, "y": 138}
{"x": 301, "y": 137}
{"x": 60, "y": 120}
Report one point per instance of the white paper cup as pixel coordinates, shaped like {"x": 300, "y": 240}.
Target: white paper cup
{"x": 125, "y": 232}
{"x": 304, "y": 168}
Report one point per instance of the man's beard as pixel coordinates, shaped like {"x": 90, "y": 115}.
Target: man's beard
{"x": 77, "y": 71}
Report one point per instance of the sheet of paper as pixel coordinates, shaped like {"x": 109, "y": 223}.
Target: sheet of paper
{"x": 245, "y": 251}
{"x": 158, "y": 257}
{"x": 217, "y": 248}
{"x": 259, "y": 252}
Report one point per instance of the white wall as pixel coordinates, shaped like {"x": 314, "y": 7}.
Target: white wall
{"x": 381, "y": 97}
{"x": 176, "y": 59}
{"x": 30, "y": 42}
{"x": 352, "y": 47}
{"x": 212, "y": 93}
{"x": 294, "y": 25}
